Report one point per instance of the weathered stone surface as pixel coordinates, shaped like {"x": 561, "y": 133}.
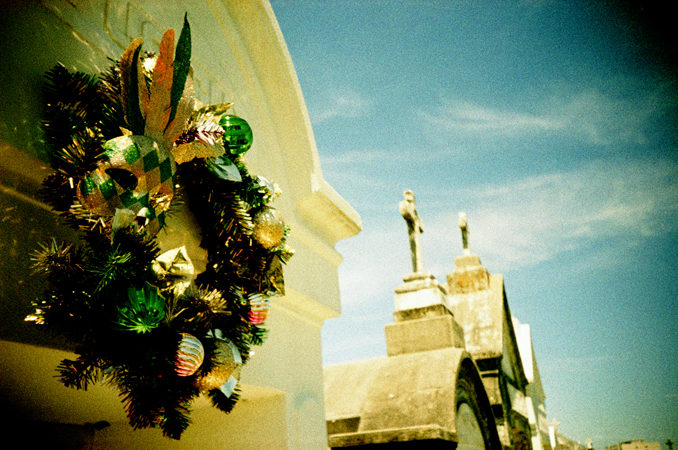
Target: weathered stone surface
{"x": 430, "y": 436}
{"x": 478, "y": 302}
{"x": 468, "y": 276}
{"x": 425, "y": 334}
{"x": 417, "y": 280}
{"x": 343, "y": 425}
{"x": 408, "y": 209}
{"x": 421, "y": 313}
{"x": 405, "y": 398}
{"x": 378, "y": 390}
{"x": 420, "y": 289}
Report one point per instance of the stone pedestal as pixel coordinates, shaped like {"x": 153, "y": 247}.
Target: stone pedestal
{"x": 469, "y": 276}
{"x": 423, "y": 329}
{"x": 419, "y": 290}
{"x": 423, "y": 319}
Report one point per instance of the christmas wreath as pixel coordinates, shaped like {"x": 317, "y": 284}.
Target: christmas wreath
{"x": 127, "y": 147}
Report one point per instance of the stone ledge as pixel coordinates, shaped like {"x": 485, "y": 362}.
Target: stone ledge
{"x": 416, "y": 281}
{"x": 425, "y": 312}
{"x": 418, "y": 433}
{"x": 420, "y": 335}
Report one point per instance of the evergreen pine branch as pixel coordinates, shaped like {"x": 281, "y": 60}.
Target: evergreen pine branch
{"x": 57, "y": 192}
{"x": 125, "y": 260}
{"x": 175, "y": 418}
{"x": 55, "y": 256}
{"x": 82, "y": 372}
{"x": 223, "y": 403}
{"x": 113, "y": 267}
{"x": 250, "y": 190}
{"x": 96, "y": 228}
{"x": 68, "y": 311}
{"x": 199, "y": 311}
{"x": 73, "y": 113}
{"x": 153, "y": 395}
{"x": 258, "y": 335}
{"x": 113, "y": 112}
{"x": 233, "y": 216}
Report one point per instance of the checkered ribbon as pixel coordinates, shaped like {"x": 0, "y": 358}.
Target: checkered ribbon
{"x": 155, "y": 173}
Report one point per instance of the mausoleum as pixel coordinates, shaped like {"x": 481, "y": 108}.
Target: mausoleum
{"x": 479, "y": 303}
{"x": 427, "y": 390}
{"x": 460, "y": 369}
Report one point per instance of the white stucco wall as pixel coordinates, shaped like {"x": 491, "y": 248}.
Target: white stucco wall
{"x": 534, "y": 392}
{"x": 239, "y": 55}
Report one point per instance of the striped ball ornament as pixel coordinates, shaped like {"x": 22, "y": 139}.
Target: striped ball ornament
{"x": 190, "y": 355}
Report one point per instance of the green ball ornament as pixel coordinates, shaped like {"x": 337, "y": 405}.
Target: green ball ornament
{"x": 237, "y": 134}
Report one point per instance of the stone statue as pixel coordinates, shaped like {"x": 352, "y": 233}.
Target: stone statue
{"x": 463, "y": 224}
{"x": 414, "y": 227}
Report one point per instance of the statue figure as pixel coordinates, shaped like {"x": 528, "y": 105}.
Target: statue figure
{"x": 414, "y": 227}
{"x": 463, "y": 224}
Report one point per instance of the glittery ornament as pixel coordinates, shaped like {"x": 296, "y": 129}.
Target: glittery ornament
{"x": 269, "y": 227}
{"x": 259, "y": 306}
{"x": 226, "y": 367}
{"x": 142, "y": 311}
{"x": 138, "y": 176}
{"x": 189, "y": 355}
{"x": 237, "y": 134}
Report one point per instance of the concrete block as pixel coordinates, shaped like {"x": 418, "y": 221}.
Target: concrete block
{"x": 421, "y": 335}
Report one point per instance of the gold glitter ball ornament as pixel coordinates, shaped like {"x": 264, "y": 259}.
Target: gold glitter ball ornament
{"x": 269, "y": 227}
{"x": 227, "y": 364}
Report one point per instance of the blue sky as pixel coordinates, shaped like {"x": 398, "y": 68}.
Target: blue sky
{"x": 552, "y": 124}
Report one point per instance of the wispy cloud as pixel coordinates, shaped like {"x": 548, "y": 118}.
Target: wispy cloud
{"x": 467, "y": 116}
{"x": 523, "y": 223}
{"x": 535, "y": 219}
{"x": 594, "y": 116}
{"x": 343, "y": 103}
{"x": 368, "y": 257}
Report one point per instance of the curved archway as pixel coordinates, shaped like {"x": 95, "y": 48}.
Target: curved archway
{"x": 474, "y": 421}
{"x": 469, "y": 434}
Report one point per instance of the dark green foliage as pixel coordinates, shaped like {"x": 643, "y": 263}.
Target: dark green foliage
{"x": 112, "y": 110}
{"x": 73, "y": 126}
{"x": 134, "y": 116}
{"x": 182, "y": 65}
{"x": 220, "y": 401}
{"x": 82, "y": 372}
{"x": 56, "y": 191}
{"x": 126, "y": 258}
